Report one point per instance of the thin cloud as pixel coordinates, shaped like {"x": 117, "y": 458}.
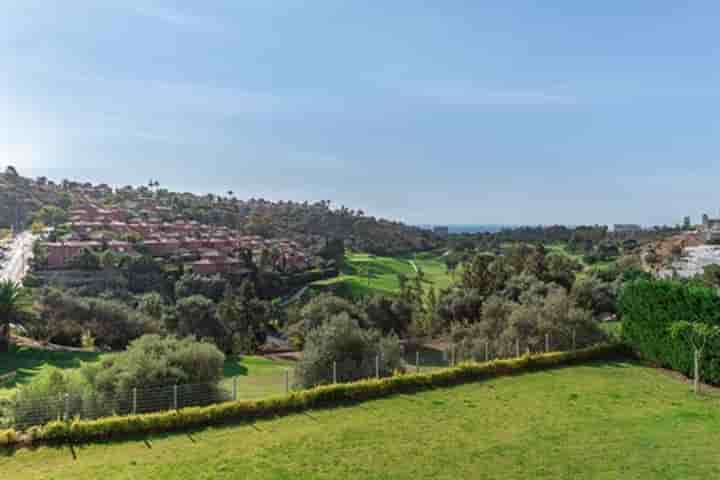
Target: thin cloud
{"x": 472, "y": 96}
{"x": 176, "y": 17}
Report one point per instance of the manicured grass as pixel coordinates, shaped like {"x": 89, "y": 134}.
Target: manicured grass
{"x": 561, "y": 248}
{"x": 435, "y": 271}
{"x": 612, "y": 420}
{"x": 257, "y": 376}
{"x": 30, "y": 362}
{"x": 365, "y": 274}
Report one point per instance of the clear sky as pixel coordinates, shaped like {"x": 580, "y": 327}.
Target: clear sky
{"x": 430, "y": 112}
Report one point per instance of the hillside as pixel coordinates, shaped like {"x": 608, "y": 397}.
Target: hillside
{"x": 21, "y": 198}
{"x": 597, "y": 421}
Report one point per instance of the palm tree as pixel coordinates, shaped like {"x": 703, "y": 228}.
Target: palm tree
{"x": 14, "y": 301}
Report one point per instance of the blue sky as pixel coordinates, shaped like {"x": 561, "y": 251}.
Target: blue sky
{"x": 429, "y": 112}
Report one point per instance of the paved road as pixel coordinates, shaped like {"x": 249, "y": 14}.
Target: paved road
{"x": 17, "y": 258}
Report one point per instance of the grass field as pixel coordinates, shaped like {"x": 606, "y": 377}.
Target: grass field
{"x": 365, "y": 274}
{"x": 257, "y": 376}
{"x": 599, "y": 421}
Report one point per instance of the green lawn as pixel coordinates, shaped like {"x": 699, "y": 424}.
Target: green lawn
{"x": 561, "y": 248}
{"x": 30, "y": 362}
{"x": 257, "y": 376}
{"x": 365, "y": 274}
{"x": 602, "y": 421}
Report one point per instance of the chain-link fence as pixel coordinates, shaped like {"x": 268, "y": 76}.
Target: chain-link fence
{"x": 27, "y": 410}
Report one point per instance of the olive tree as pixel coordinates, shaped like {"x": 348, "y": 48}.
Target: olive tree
{"x": 697, "y": 334}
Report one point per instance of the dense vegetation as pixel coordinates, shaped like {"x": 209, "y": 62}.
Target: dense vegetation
{"x": 106, "y": 386}
{"x": 649, "y": 310}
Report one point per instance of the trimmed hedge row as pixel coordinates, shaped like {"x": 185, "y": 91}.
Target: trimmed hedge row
{"x": 324, "y": 396}
{"x": 649, "y": 307}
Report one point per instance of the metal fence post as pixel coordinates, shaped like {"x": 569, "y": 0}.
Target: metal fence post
{"x": 67, "y": 406}
{"x": 417, "y": 361}
{"x": 517, "y": 347}
{"x": 175, "y": 397}
{"x": 287, "y": 381}
{"x": 134, "y": 401}
{"x": 452, "y": 354}
{"x": 334, "y": 371}
{"x": 574, "y": 334}
{"x": 547, "y": 342}
{"x": 235, "y": 389}
{"x": 377, "y": 366}
{"x": 487, "y": 351}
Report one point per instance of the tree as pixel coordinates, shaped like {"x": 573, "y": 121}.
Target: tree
{"x": 196, "y": 317}
{"x": 697, "y": 334}
{"x": 711, "y": 276}
{"x": 561, "y": 269}
{"x": 388, "y": 314}
{"x": 341, "y": 346}
{"x": 51, "y": 215}
{"x": 156, "y": 361}
{"x": 151, "y": 304}
{"x": 244, "y": 317}
{"x": 14, "y": 302}
{"x": 479, "y": 275}
{"x": 318, "y": 311}
{"x": 86, "y": 260}
{"x": 144, "y": 274}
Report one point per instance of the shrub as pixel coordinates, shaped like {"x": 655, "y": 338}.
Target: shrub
{"x": 153, "y": 360}
{"x": 43, "y": 398}
{"x": 191, "y": 284}
{"x": 650, "y": 307}
{"x": 351, "y": 348}
{"x": 320, "y": 310}
{"x": 8, "y": 437}
{"x": 112, "y": 324}
{"x": 327, "y": 395}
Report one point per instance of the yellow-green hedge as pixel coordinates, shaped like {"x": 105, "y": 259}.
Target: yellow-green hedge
{"x": 84, "y": 430}
{"x": 8, "y": 437}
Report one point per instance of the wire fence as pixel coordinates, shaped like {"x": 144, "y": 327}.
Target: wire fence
{"x": 27, "y": 410}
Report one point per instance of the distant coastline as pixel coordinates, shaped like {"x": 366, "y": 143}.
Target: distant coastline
{"x": 470, "y": 228}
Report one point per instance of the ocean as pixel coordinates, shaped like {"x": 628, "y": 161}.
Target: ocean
{"x": 470, "y": 228}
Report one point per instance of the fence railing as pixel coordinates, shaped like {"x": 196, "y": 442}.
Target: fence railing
{"x": 27, "y": 410}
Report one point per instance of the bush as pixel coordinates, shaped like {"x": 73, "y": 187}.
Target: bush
{"x": 352, "y": 349}
{"x": 153, "y": 360}
{"x": 112, "y": 324}
{"x": 328, "y": 395}
{"x": 318, "y": 311}
{"x": 43, "y": 399}
{"x": 8, "y": 437}
{"x": 649, "y": 307}
{"x": 191, "y": 284}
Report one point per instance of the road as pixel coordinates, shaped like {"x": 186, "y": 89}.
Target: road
{"x": 17, "y": 258}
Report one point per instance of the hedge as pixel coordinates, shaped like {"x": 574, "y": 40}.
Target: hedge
{"x": 324, "y": 396}
{"x": 649, "y": 307}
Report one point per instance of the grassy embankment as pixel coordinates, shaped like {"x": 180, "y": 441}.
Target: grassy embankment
{"x": 609, "y": 420}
